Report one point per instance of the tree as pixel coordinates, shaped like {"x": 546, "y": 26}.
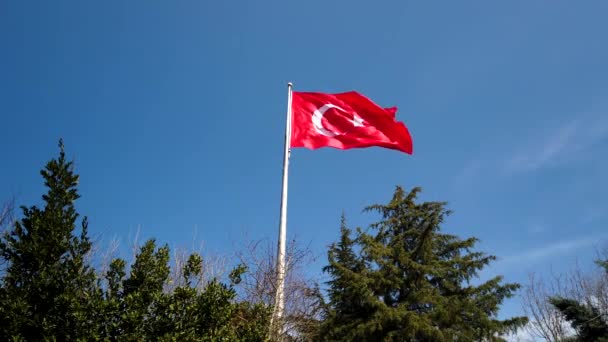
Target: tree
{"x": 351, "y": 301}
{"x": 404, "y": 280}
{"x": 136, "y": 307}
{"x": 589, "y": 318}
{"x": 546, "y": 321}
{"x": 48, "y": 285}
{"x": 49, "y": 292}
{"x": 302, "y": 307}
{"x": 568, "y": 307}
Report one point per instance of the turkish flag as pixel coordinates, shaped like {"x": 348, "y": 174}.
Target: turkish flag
{"x": 343, "y": 121}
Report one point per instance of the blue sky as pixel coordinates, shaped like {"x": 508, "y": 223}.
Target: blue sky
{"x": 174, "y": 112}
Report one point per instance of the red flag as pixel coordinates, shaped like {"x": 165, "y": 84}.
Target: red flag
{"x": 345, "y": 120}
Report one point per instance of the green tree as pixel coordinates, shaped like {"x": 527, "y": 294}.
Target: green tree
{"x": 404, "y": 280}
{"x": 590, "y": 323}
{"x": 351, "y": 300}
{"x": 138, "y": 309}
{"x": 49, "y": 292}
{"x": 48, "y": 286}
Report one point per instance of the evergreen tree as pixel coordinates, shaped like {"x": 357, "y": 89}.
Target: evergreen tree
{"x": 138, "y": 309}
{"x": 349, "y": 295}
{"x": 48, "y": 291}
{"x": 404, "y": 280}
{"x": 48, "y": 286}
{"x": 590, "y": 323}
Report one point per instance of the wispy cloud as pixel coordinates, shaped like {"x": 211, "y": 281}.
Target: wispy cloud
{"x": 540, "y": 154}
{"x": 567, "y": 140}
{"x": 578, "y": 140}
{"x": 560, "y": 146}
{"x": 553, "y": 249}
{"x": 572, "y": 141}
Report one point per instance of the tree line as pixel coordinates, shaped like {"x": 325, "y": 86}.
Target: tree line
{"x": 400, "y": 279}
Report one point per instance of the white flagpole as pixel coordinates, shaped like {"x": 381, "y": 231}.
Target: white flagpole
{"x": 279, "y": 302}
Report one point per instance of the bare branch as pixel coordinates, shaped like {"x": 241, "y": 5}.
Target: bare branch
{"x": 545, "y": 320}
{"x": 7, "y": 214}
{"x": 302, "y": 305}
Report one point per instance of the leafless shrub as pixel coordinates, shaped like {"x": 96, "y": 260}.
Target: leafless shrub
{"x": 109, "y": 254}
{"x": 302, "y": 305}
{"x": 545, "y": 320}
{"x": 214, "y": 266}
{"x": 258, "y": 284}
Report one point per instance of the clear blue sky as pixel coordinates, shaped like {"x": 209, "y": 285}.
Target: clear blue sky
{"x": 174, "y": 112}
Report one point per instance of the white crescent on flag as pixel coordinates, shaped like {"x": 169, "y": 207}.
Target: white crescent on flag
{"x": 317, "y": 118}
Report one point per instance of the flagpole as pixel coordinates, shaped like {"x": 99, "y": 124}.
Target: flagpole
{"x": 279, "y": 302}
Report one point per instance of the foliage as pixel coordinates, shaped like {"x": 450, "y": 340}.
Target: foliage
{"x": 570, "y": 306}
{"x": 48, "y": 286}
{"x": 589, "y": 319}
{"x": 405, "y": 280}
{"x": 401, "y": 280}
{"x": 138, "y": 309}
{"x": 49, "y": 292}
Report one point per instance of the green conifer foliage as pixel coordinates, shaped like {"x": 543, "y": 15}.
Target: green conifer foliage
{"x": 405, "y": 280}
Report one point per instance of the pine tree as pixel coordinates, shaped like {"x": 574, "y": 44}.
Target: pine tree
{"x": 48, "y": 287}
{"x": 404, "y": 280}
